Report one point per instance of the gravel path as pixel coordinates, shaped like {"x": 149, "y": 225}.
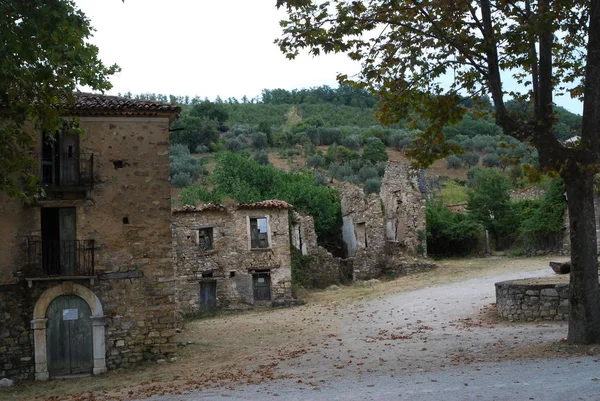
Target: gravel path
{"x": 440, "y": 342}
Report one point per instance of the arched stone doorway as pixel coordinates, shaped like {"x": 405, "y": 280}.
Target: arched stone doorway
{"x": 67, "y": 288}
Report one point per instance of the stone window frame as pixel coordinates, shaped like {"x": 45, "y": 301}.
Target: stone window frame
{"x": 249, "y": 231}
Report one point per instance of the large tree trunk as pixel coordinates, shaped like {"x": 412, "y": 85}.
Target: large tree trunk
{"x": 584, "y": 297}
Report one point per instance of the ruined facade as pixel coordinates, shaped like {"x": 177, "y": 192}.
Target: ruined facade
{"x": 232, "y": 257}
{"x": 383, "y": 233}
{"x": 91, "y": 261}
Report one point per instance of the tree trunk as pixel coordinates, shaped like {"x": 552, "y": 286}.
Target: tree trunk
{"x": 584, "y": 296}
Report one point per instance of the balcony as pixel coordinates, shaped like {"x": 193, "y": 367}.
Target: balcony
{"x": 67, "y": 171}
{"x": 56, "y": 258}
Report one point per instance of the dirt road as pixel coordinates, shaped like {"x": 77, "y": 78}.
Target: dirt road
{"x": 440, "y": 321}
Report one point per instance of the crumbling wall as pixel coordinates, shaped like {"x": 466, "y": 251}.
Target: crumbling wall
{"x": 323, "y": 269}
{"x": 231, "y": 262}
{"x": 383, "y": 233}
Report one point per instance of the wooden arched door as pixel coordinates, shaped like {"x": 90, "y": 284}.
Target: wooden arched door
{"x": 69, "y": 336}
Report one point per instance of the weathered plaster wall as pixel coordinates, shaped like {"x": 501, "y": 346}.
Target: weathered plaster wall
{"x": 127, "y": 213}
{"x": 232, "y": 261}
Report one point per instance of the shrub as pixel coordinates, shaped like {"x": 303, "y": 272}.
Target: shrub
{"x": 367, "y": 172}
{"x": 183, "y": 162}
{"x": 202, "y": 149}
{"x": 374, "y": 151}
{"x": 372, "y": 186}
{"x": 315, "y": 161}
{"x": 260, "y": 140}
{"x": 491, "y": 160}
{"x": 470, "y": 159}
{"x": 261, "y": 157}
{"x": 453, "y": 162}
{"x": 181, "y": 180}
{"x": 352, "y": 142}
{"x": 234, "y": 145}
{"x": 450, "y": 234}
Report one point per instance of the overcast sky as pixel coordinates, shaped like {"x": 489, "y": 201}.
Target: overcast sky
{"x": 207, "y": 48}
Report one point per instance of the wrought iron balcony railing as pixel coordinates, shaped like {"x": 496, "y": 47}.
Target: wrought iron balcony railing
{"x": 49, "y": 258}
{"x": 63, "y": 171}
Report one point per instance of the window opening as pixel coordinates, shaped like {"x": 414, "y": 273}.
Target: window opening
{"x": 259, "y": 232}
{"x": 205, "y": 239}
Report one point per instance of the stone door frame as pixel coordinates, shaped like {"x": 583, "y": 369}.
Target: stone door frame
{"x": 38, "y": 324}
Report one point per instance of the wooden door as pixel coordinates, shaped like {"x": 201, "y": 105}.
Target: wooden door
{"x": 69, "y": 160}
{"x": 208, "y": 295}
{"x": 68, "y": 240}
{"x": 262, "y": 286}
{"x": 69, "y": 336}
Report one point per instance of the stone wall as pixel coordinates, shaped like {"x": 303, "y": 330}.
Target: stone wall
{"x": 127, "y": 214}
{"x": 384, "y": 232}
{"x": 531, "y": 192}
{"x": 232, "y": 261}
{"x": 323, "y": 269}
{"x": 520, "y": 300}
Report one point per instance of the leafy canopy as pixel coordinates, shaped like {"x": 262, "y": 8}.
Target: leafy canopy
{"x": 423, "y": 58}
{"x": 44, "y": 57}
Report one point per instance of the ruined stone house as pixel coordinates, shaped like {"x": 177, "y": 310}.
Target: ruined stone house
{"x": 232, "y": 257}
{"x": 86, "y": 274}
{"x": 383, "y": 232}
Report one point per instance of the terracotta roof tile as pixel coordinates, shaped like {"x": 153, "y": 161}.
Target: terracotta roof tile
{"x": 267, "y": 204}
{"x": 96, "y": 104}
{"x": 209, "y": 207}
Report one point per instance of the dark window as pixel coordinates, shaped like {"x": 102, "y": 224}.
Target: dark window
{"x": 205, "y": 239}
{"x": 259, "y": 237}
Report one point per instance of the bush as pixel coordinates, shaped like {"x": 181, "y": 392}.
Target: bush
{"x": 352, "y": 142}
{"x": 260, "y": 140}
{"x": 182, "y": 162}
{"x": 202, "y": 149}
{"x": 372, "y": 186}
{"x": 261, "y": 157}
{"x": 374, "y": 151}
{"x": 367, "y": 172}
{"x": 400, "y": 141}
{"x": 315, "y": 161}
{"x": 234, "y": 145}
{"x": 454, "y": 162}
{"x": 451, "y": 234}
{"x": 491, "y": 160}
{"x": 181, "y": 180}
{"x": 470, "y": 159}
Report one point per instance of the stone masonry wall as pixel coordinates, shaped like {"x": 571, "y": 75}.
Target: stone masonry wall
{"x": 323, "y": 269}
{"x": 519, "y": 301}
{"x": 232, "y": 261}
{"x": 384, "y": 233}
{"x": 127, "y": 214}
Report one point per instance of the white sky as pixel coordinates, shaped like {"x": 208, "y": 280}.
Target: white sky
{"x": 207, "y": 48}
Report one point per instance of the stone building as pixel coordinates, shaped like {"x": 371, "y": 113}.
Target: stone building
{"x": 86, "y": 275}
{"x": 383, "y": 233}
{"x": 232, "y": 257}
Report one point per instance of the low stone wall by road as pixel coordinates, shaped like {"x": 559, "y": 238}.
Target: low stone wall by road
{"x": 522, "y": 300}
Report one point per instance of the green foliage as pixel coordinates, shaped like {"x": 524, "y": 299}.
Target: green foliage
{"x": 491, "y": 160}
{"x": 300, "y": 265}
{"x": 352, "y": 142}
{"x": 452, "y": 192}
{"x": 450, "y": 234}
{"x": 489, "y": 204}
{"x": 339, "y": 154}
{"x": 372, "y": 186}
{"x": 470, "y": 159}
{"x": 45, "y": 55}
{"x": 261, "y": 157}
{"x": 454, "y": 162}
{"x": 542, "y": 225}
{"x": 241, "y": 178}
{"x": 184, "y": 167}
{"x": 374, "y": 151}
{"x": 316, "y": 161}
{"x": 260, "y": 140}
